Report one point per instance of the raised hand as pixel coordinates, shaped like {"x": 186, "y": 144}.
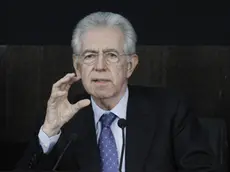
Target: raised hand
{"x": 59, "y": 110}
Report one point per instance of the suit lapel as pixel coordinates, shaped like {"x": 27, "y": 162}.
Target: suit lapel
{"x": 140, "y": 130}
{"x": 141, "y": 118}
{"x": 87, "y": 151}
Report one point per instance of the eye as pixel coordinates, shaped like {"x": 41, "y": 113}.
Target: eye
{"x": 111, "y": 55}
{"x": 89, "y": 56}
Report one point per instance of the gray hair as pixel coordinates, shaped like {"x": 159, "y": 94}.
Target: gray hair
{"x": 105, "y": 19}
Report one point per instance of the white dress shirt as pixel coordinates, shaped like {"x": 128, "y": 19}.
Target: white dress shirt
{"x": 119, "y": 110}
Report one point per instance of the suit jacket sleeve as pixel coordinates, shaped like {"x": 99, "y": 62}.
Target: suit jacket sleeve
{"x": 191, "y": 147}
{"x": 35, "y": 159}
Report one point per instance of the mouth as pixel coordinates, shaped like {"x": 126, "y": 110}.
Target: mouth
{"x": 100, "y": 81}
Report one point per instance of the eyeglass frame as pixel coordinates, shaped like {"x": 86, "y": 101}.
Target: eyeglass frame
{"x": 119, "y": 55}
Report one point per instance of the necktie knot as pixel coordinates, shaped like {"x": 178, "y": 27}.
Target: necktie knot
{"x": 107, "y": 119}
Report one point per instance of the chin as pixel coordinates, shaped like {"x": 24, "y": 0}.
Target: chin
{"x": 103, "y": 94}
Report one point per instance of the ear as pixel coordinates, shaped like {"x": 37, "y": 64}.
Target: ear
{"x": 76, "y": 65}
{"x": 132, "y": 64}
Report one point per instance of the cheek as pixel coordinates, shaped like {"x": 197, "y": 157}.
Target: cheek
{"x": 85, "y": 75}
{"x": 119, "y": 73}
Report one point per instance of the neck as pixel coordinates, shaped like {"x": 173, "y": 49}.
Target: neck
{"x": 110, "y": 103}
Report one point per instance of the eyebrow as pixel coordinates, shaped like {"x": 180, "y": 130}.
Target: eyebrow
{"x": 109, "y": 50}
{"x": 95, "y": 51}
{"x": 89, "y": 51}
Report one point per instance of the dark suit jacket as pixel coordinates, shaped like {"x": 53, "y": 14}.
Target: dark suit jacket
{"x": 162, "y": 135}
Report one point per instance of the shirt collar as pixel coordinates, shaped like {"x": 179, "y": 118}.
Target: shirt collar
{"x": 119, "y": 109}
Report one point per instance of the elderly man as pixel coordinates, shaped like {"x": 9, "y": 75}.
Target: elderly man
{"x": 158, "y": 132}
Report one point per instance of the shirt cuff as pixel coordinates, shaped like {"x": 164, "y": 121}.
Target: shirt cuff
{"x": 46, "y": 142}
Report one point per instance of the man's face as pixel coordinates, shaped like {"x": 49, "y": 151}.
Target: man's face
{"x": 104, "y": 79}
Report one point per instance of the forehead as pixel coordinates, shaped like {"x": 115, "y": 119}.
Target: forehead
{"x": 103, "y": 38}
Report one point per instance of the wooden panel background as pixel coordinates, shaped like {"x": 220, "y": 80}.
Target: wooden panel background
{"x": 28, "y": 72}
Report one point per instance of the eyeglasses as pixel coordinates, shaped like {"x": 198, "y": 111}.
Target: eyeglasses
{"x": 90, "y": 58}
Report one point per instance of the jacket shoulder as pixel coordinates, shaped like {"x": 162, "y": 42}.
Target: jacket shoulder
{"x": 160, "y": 93}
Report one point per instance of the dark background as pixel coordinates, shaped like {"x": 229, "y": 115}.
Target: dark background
{"x": 182, "y": 45}
{"x": 156, "y": 22}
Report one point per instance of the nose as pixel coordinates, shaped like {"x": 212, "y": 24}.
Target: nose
{"x": 100, "y": 63}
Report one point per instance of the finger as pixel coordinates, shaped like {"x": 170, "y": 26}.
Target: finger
{"x": 68, "y": 81}
{"x": 63, "y": 81}
{"x": 80, "y": 104}
{"x": 71, "y": 81}
{"x": 57, "y": 94}
{"x": 68, "y": 75}
{"x": 75, "y": 78}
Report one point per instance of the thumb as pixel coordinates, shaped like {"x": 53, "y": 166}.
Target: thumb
{"x": 80, "y": 104}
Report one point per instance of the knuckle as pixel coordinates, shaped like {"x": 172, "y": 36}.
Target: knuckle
{"x": 53, "y": 93}
{"x": 54, "y": 85}
{"x": 49, "y": 102}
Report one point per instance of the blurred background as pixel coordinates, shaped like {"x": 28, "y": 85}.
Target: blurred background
{"x": 181, "y": 45}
